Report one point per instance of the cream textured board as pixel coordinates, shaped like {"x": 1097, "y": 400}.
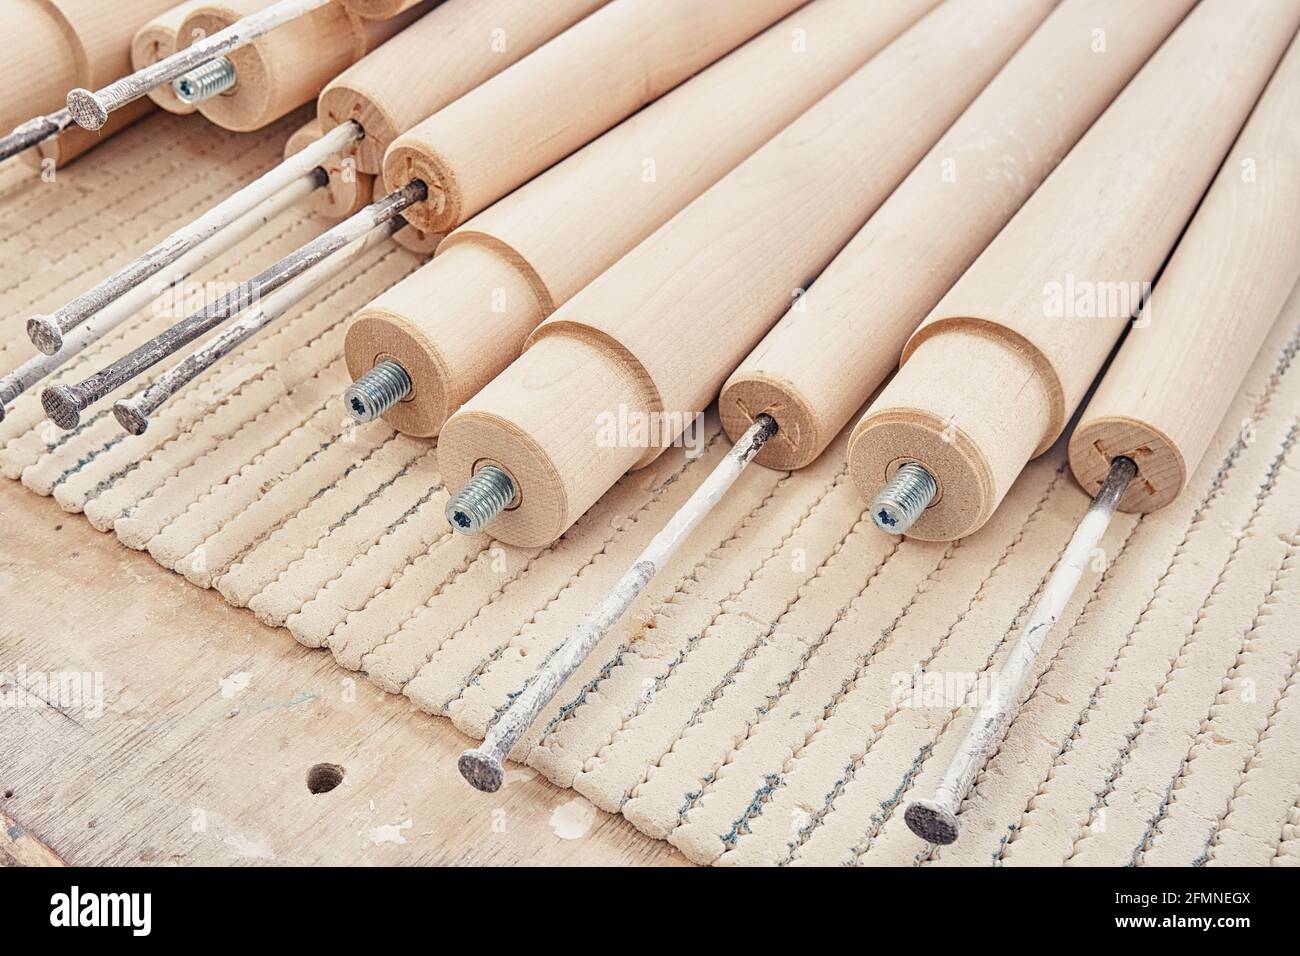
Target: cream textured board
{"x": 757, "y": 704}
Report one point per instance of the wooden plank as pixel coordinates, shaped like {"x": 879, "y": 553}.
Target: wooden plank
{"x": 209, "y": 725}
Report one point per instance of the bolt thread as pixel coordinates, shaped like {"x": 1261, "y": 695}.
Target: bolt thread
{"x": 484, "y": 497}
{"x": 377, "y": 391}
{"x": 898, "y": 505}
{"x": 206, "y": 81}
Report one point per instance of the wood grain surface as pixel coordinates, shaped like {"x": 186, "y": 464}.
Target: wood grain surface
{"x": 211, "y": 722}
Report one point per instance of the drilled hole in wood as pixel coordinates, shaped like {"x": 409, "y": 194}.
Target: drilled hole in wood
{"x": 8, "y": 794}
{"x": 324, "y": 777}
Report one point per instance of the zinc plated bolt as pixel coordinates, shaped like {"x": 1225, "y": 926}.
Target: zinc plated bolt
{"x": 898, "y": 505}
{"x": 205, "y": 82}
{"x": 483, "y": 497}
{"x": 377, "y": 391}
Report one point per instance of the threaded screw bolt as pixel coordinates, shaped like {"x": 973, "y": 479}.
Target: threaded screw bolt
{"x": 902, "y": 500}
{"x": 484, "y": 496}
{"x": 377, "y": 391}
{"x": 206, "y": 81}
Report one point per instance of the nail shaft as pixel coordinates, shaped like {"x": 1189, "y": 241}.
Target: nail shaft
{"x": 935, "y": 819}
{"x": 482, "y": 765}
{"x": 133, "y": 413}
{"x": 47, "y": 331}
{"x": 65, "y": 403}
{"x": 104, "y": 321}
{"x": 33, "y": 133}
{"x": 90, "y": 110}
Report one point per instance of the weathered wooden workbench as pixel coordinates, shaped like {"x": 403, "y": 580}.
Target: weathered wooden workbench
{"x": 211, "y": 723}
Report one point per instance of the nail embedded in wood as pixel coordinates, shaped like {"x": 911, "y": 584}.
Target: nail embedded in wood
{"x": 481, "y": 766}
{"x": 91, "y": 110}
{"x": 1214, "y": 280}
{"x": 935, "y": 820}
{"x": 37, "y": 368}
{"x": 67, "y": 402}
{"x": 133, "y": 413}
{"x": 47, "y": 331}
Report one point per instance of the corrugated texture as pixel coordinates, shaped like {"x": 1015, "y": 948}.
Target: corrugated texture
{"x": 779, "y": 693}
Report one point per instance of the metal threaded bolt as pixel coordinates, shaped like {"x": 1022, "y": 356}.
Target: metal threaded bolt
{"x": 484, "y": 496}
{"x": 377, "y": 391}
{"x": 204, "y": 82}
{"x": 902, "y": 500}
